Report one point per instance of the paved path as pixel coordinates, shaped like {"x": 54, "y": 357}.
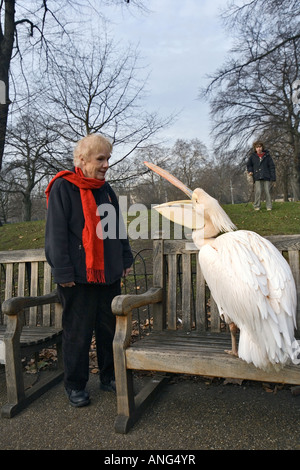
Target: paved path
{"x": 190, "y": 414}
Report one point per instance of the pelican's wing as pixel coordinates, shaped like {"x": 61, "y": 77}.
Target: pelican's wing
{"x": 253, "y": 286}
{"x": 182, "y": 213}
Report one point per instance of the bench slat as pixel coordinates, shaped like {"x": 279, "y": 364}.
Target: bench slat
{"x": 25, "y": 256}
{"x": 172, "y": 292}
{"x": 47, "y": 290}
{"x": 21, "y": 279}
{"x": 34, "y": 291}
{"x": 192, "y": 356}
{"x": 186, "y": 292}
{"x": 159, "y": 321}
{"x": 33, "y": 335}
{"x": 9, "y": 281}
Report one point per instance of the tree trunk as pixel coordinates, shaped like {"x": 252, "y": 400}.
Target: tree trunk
{"x": 27, "y": 207}
{"x": 3, "y": 124}
{"x": 6, "y": 47}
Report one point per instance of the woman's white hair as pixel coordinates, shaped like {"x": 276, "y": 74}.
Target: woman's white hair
{"x": 88, "y": 145}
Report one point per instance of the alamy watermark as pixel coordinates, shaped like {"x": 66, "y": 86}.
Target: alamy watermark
{"x": 137, "y": 222}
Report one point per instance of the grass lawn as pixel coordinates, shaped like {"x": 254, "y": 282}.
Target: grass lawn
{"x": 283, "y": 219}
{"x": 22, "y": 236}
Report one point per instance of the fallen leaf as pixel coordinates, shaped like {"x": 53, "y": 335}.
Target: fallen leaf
{"x": 233, "y": 381}
{"x": 267, "y": 388}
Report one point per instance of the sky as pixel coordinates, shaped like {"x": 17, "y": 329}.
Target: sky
{"x": 182, "y": 42}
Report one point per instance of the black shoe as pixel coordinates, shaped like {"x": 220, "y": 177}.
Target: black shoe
{"x": 78, "y": 397}
{"x": 108, "y": 386}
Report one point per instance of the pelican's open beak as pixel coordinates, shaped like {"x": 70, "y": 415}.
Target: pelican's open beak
{"x": 182, "y": 213}
{"x": 165, "y": 174}
{"x": 179, "y": 212}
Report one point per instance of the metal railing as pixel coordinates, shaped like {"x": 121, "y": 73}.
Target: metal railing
{"x": 137, "y": 282}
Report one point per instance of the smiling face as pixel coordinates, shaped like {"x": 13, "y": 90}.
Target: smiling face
{"x": 92, "y": 155}
{"x": 96, "y": 164}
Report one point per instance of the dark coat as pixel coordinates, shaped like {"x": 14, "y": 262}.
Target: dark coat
{"x": 262, "y": 168}
{"x": 63, "y": 237}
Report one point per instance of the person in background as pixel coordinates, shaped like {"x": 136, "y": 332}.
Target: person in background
{"x": 261, "y": 167}
{"x": 86, "y": 264}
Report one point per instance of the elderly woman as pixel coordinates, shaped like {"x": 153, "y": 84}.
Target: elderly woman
{"x": 86, "y": 263}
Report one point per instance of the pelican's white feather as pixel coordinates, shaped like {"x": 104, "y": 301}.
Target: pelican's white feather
{"x": 249, "y": 279}
{"x": 253, "y": 287}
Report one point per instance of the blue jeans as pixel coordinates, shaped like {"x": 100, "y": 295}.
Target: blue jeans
{"x": 258, "y": 187}
{"x": 87, "y": 309}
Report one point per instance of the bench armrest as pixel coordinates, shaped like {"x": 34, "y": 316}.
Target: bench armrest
{"x": 17, "y": 304}
{"x": 123, "y": 304}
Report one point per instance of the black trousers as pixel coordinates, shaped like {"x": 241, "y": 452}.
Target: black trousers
{"x": 87, "y": 309}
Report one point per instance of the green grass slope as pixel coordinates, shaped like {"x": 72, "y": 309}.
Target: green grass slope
{"x": 283, "y": 219}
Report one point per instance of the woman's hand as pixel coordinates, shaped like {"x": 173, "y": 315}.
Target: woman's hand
{"x": 126, "y": 272}
{"x": 67, "y": 284}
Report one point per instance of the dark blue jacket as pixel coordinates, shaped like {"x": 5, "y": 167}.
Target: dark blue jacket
{"x": 63, "y": 237}
{"x": 262, "y": 168}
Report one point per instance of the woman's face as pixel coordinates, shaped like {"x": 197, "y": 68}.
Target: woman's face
{"x": 96, "y": 165}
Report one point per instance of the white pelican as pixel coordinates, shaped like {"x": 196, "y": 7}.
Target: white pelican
{"x": 250, "y": 280}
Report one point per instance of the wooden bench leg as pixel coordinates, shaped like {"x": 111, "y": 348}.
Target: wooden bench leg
{"x": 17, "y": 397}
{"x": 125, "y": 401}
{"x": 10, "y": 409}
{"x": 131, "y": 407}
{"x": 13, "y": 363}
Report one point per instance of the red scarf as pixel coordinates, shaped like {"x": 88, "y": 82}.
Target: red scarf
{"x": 261, "y": 154}
{"x": 93, "y": 245}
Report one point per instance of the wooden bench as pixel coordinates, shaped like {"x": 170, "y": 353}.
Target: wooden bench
{"x": 187, "y": 337}
{"x": 31, "y": 321}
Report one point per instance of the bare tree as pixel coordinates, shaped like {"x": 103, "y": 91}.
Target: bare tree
{"x": 101, "y": 90}
{"x": 29, "y": 159}
{"x": 83, "y": 93}
{"x": 259, "y": 28}
{"x": 262, "y": 67}
{"x": 35, "y": 26}
{"x": 149, "y": 188}
{"x": 188, "y": 158}
{"x": 258, "y": 100}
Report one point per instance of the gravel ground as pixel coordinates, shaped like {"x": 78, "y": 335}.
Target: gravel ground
{"x": 191, "y": 413}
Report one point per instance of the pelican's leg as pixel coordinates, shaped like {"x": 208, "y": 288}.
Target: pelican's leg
{"x": 233, "y": 330}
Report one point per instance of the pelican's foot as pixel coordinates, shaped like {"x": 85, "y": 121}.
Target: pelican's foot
{"x": 234, "y": 348}
{"x": 231, "y": 352}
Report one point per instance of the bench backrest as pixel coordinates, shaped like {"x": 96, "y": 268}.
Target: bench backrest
{"x": 27, "y": 273}
{"x": 188, "y": 303}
